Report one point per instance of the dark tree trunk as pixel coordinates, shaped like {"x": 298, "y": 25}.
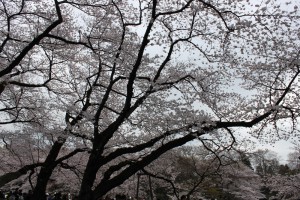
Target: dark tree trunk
{"x": 39, "y": 191}
{"x": 89, "y": 177}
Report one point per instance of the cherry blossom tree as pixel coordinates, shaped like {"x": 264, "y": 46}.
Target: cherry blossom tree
{"x": 242, "y": 182}
{"x": 185, "y": 171}
{"x": 294, "y": 157}
{"x": 284, "y": 186}
{"x": 194, "y": 172}
{"x": 266, "y": 162}
{"x": 123, "y": 82}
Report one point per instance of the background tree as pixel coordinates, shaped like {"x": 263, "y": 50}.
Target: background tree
{"x": 284, "y": 186}
{"x": 266, "y": 162}
{"x": 293, "y": 157}
{"x": 195, "y": 172}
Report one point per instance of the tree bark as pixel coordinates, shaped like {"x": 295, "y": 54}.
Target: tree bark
{"x": 46, "y": 171}
{"x": 89, "y": 177}
{"x": 108, "y": 184}
{"x": 6, "y": 178}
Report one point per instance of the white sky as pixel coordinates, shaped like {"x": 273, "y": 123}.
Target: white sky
{"x": 282, "y": 148}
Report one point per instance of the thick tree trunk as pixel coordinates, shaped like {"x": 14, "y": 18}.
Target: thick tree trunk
{"x": 39, "y": 192}
{"x": 89, "y": 177}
